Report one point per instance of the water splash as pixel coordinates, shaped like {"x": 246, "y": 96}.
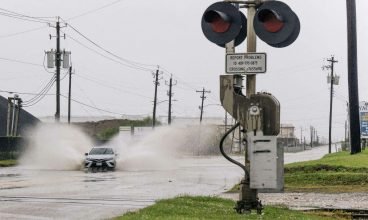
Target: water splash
{"x": 55, "y": 146}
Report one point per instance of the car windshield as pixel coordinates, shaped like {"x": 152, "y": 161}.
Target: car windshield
{"x": 101, "y": 150}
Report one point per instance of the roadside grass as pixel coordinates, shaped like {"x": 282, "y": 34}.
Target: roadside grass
{"x": 187, "y": 207}
{"x": 334, "y": 173}
{"x": 8, "y": 163}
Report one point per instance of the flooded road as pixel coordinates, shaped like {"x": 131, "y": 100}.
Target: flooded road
{"x": 30, "y": 194}
{"x": 55, "y": 194}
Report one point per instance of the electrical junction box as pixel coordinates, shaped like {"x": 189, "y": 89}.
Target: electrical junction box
{"x": 266, "y": 162}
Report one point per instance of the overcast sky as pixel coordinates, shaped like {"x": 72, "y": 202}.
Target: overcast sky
{"x": 168, "y": 33}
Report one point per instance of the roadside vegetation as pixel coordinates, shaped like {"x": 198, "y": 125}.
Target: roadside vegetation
{"x": 105, "y": 130}
{"x": 334, "y": 173}
{"x": 8, "y": 163}
{"x": 186, "y": 207}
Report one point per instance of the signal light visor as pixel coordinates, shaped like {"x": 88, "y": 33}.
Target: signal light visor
{"x": 220, "y": 22}
{"x": 272, "y": 22}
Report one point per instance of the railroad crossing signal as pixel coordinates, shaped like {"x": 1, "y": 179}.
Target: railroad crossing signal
{"x": 274, "y": 23}
{"x": 222, "y": 22}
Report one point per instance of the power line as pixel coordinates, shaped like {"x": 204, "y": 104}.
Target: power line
{"x": 33, "y": 101}
{"x": 20, "y": 61}
{"x": 94, "y": 10}
{"x": 22, "y": 32}
{"x": 64, "y": 96}
{"x": 96, "y": 108}
{"x": 26, "y": 16}
{"x": 133, "y": 63}
{"x": 23, "y": 17}
{"x": 106, "y": 57}
{"x": 109, "y": 86}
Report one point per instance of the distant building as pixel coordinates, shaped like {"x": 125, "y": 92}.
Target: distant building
{"x": 287, "y": 136}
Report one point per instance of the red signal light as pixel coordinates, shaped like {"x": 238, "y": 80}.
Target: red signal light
{"x": 222, "y": 22}
{"x": 276, "y": 24}
{"x": 272, "y": 22}
{"x": 218, "y": 21}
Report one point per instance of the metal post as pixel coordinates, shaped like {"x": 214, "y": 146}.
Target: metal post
{"x": 248, "y": 195}
{"x": 8, "y": 123}
{"x": 13, "y": 118}
{"x": 353, "y": 78}
{"x": 17, "y": 109}
{"x": 251, "y": 47}
{"x": 58, "y": 62}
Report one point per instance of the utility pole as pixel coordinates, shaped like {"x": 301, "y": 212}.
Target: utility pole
{"x": 332, "y": 82}
{"x": 58, "y": 63}
{"x": 70, "y": 93}
{"x": 157, "y": 83}
{"x": 170, "y": 94}
{"x": 311, "y": 136}
{"x": 58, "y": 59}
{"x": 301, "y": 135}
{"x": 202, "y": 97}
{"x": 353, "y": 78}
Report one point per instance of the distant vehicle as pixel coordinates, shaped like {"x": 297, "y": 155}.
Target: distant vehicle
{"x": 100, "y": 158}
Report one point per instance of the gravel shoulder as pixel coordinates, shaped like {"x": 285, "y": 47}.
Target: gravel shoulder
{"x": 305, "y": 201}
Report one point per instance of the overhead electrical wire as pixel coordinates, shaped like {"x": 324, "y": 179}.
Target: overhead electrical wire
{"x": 96, "y": 108}
{"x": 23, "y": 32}
{"x": 106, "y": 57}
{"x": 17, "y": 15}
{"x": 111, "y": 87}
{"x": 20, "y": 61}
{"x": 94, "y": 10}
{"x": 64, "y": 96}
{"x": 130, "y": 62}
{"x": 125, "y": 62}
{"x": 42, "y": 94}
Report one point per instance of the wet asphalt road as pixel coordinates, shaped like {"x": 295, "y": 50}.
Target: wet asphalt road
{"x": 51, "y": 194}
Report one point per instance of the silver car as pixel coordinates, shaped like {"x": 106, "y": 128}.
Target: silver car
{"x": 100, "y": 158}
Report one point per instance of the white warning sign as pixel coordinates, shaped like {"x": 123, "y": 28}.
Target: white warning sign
{"x": 246, "y": 63}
